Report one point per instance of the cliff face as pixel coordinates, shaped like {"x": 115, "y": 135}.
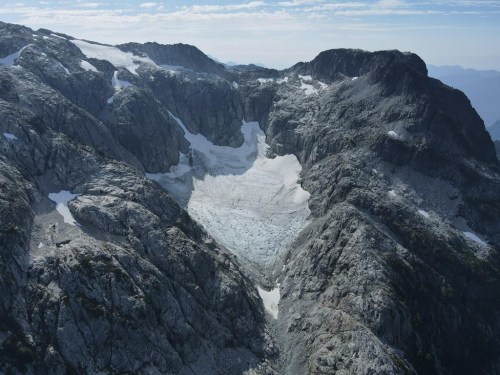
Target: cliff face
{"x": 101, "y": 270}
{"x": 119, "y": 279}
{"x": 399, "y": 167}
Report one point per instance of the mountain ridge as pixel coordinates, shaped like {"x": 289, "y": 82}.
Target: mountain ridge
{"x": 396, "y": 271}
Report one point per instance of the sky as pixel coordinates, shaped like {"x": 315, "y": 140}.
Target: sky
{"x": 279, "y": 33}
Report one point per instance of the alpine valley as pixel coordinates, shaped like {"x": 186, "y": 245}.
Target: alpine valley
{"x": 162, "y": 213}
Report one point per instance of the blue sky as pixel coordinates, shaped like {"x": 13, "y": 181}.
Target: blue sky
{"x": 280, "y": 33}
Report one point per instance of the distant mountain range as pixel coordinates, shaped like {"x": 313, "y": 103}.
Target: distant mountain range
{"x": 481, "y": 86}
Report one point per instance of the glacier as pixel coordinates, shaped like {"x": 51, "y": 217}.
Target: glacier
{"x": 247, "y": 200}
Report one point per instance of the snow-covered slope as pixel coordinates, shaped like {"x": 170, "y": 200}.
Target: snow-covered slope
{"x": 250, "y": 203}
{"x": 112, "y": 54}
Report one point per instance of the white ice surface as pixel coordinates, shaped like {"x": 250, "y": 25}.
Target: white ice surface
{"x": 251, "y": 204}
{"x": 424, "y": 214}
{"x": 9, "y": 136}
{"x": 271, "y": 300}
{"x": 474, "y": 237}
{"x": 112, "y": 54}
{"x": 88, "y": 66}
{"x": 61, "y": 199}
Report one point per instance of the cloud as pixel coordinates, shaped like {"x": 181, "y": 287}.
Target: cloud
{"x": 390, "y": 3}
{"x": 148, "y": 5}
{"x": 278, "y": 32}
{"x": 89, "y": 5}
{"x": 295, "y": 3}
{"x": 224, "y": 8}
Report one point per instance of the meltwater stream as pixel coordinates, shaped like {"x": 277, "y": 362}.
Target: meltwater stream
{"x": 250, "y": 203}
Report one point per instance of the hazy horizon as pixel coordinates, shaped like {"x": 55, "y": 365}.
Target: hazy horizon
{"x": 281, "y": 33}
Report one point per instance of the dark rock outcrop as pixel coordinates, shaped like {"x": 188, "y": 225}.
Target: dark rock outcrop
{"x": 336, "y": 64}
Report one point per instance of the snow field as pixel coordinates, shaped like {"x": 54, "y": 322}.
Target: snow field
{"x": 112, "y": 54}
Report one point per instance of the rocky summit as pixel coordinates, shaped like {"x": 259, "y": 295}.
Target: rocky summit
{"x": 162, "y": 213}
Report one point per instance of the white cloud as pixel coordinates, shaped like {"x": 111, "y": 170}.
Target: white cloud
{"x": 148, "y": 5}
{"x": 89, "y": 5}
{"x": 279, "y": 33}
{"x": 222, "y": 8}
{"x": 390, "y": 3}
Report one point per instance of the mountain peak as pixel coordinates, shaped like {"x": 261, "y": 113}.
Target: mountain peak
{"x": 179, "y": 54}
{"x": 334, "y": 64}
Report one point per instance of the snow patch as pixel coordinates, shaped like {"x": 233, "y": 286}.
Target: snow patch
{"x": 112, "y": 54}
{"x": 40, "y": 245}
{"x": 235, "y": 85}
{"x": 282, "y": 80}
{"x": 251, "y": 204}
{"x": 265, "y": 80}
{"x": 174, "y": 69}
{"x": 11, "y": 59}
{"x": 305, "y": 78}
{"x": 9, "y": 136}
{"x": 61, "y": 199}
{"x": 308, "y": 89}
{"x": 354, "y": 78}
{"x": 88, "y": 66}
{"x": 474, "y": 237}
{"x": 323, "y": 85}
{"x": 424, "y": 214}
{"x": 271, "y": 300}
{"x": 393, "y": 134}
{"x": 392, "y": 193}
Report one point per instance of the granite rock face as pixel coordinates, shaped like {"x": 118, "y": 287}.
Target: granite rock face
{"x": 135, "y": 286}
{"x": 399, "y": 167}
{"x": 397, "y": 272}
